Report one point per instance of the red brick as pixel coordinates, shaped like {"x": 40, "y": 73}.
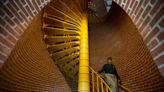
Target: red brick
{"x": 7, "y": 11}
{"x": 12, "y": 39}
{"x": 16, "y": 13}
{"x": 35, "y": 12}
{"x": 18, "y": 30}
{"x": 144, "y": 23}
{"x": 25, "y": 24}
{"x": 146, "y": 11}
{"x": 154, "y": 32}
{"x": 161, "y": 36}
{"x": 22, "y": 8}
{"x": 3, "y": 31}
{"x": 14, "y": 5}
{"x": 12, "y": 31}
{"x": 28, "y": 40}
{"x": 23, "y": 16}
{"x": 144, "y": 32}
{"x": 23, "y": 2}
{"x": 145, "y": 3}
{"x": 152, "y": 44}
{"x": 139, "y": 14}
{"x": 38, "y": 2}
{"x": 16, "y": 21}
{"x": 158, "y": 50}
{"x": 155, "y": 8}
{"x": 35, "y": 5}
{"x": 157, "y": 17}
{"x": 127, "y": 5}
{"x": 134, "y": 7}
{"x": 132, "y": 2}
{"x": 128, "y": 11}
{"x": 2, "y": 22}
{"x": 160, "y": 60}
{"x": 8, "y": 20}
{"x": 10, "y": 7}
{"x": 2, "y": 57}
{"x": 30, "y": 5}
{"x": 4, "y": 49}
{"x": 4, "y": 41}
{"x": 29, "y": 11}
{"x": 138, "y": 7}
{"x": 161, "y": 23}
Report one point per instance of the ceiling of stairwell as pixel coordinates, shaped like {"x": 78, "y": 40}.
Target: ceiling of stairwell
{"x": 99, "y": 8}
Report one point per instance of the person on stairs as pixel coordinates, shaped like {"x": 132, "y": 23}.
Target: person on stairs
{"x": 111, "y": 76}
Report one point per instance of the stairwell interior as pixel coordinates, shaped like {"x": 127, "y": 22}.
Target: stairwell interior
{"x": 47, "y": 56}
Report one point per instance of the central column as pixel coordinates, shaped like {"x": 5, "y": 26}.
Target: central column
{"x": 83, "y": 82}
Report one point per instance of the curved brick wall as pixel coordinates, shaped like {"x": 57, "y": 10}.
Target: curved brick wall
{"x": 29, "y": 67}
{"x": 122, "y": 41}
{"x": 16, "y": 15}
{"x": 148, "y": 17}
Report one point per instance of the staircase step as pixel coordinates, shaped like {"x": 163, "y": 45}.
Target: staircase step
{"x": 56, "y": 56}
{"x": 58, "y": 47}
{"x": 52, "y": 21}
{"x": 60, "y": 39}
{"x": 64, "y": 8}
{"x": 51, "y": 11}
{"x": 59, "y": 31}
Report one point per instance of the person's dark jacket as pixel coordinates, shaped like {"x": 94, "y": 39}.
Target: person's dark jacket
{"x": 109, "y": 68}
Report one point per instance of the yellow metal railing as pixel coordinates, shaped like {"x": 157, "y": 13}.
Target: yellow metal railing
{"x": 124, "y": 88}
{"x": 65, "y": 27}
{"x": 97, "y": 83}
{"x": 62, "y": 34}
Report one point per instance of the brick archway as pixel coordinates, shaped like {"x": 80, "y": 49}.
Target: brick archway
{"x": 16, "y": 15}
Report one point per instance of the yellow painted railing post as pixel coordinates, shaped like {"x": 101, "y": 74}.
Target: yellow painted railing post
{"x": 83, "y": 82}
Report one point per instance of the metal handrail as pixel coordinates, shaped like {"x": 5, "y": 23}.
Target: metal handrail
{"x": 124, "y": 88}
{"x": 97, "y": 83}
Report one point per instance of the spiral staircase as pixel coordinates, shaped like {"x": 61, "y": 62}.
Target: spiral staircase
{"x": 62, "y": 28}
{"x": 62, "y": 35}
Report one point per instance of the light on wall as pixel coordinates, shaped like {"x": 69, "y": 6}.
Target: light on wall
{"x": 108, "y": 4}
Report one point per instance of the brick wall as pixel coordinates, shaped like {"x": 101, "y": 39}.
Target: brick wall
{"x": 15, "y": 16}
{"x": 122, "y": 41}
{"x": 147, "y": 15}
{"x": 29, "y": 67}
